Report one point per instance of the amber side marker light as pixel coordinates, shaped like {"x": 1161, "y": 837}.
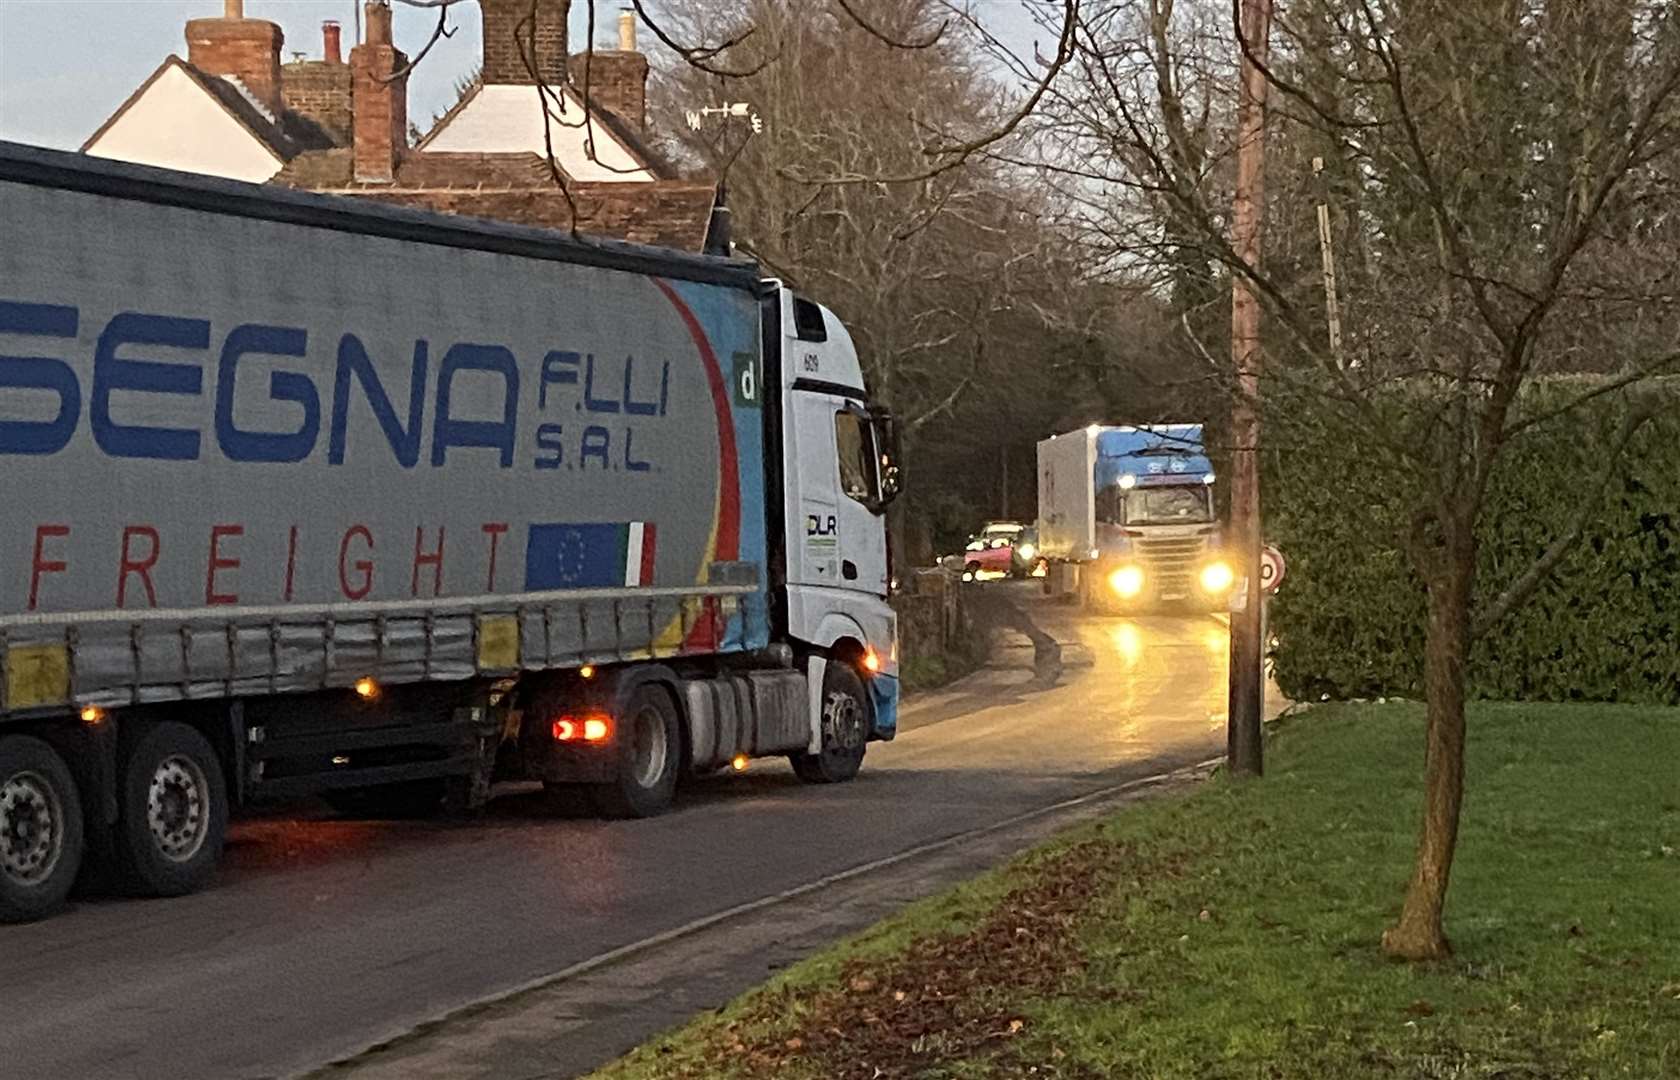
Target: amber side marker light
{"x": 367, "y": 689}
{"x": 739, "y": 763}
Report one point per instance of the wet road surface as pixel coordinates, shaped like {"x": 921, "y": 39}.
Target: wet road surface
{"x": 323, "y": 936}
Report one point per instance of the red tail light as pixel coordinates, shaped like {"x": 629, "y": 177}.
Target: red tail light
{"x": 592, "y": 727}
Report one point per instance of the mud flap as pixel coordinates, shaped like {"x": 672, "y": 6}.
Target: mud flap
{"x": 883, "y": 694}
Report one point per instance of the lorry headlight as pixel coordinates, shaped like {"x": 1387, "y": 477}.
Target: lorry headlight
{"x": 1026, "y": 551}
{"x": 1127, "y": 581}
{"x": 1217, "y": 577}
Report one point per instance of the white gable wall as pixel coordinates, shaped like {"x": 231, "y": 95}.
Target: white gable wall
{"x": 509, "y": 119}
{"x": 175, "y": 124}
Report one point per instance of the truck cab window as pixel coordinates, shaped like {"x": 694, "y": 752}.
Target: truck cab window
{"x": 808, "y": 322}
{"x": 1168, "y": 506}
{"x": 855, "y": 442}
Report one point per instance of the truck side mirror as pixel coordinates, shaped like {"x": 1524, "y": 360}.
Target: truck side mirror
{"x": 887, "y": 446}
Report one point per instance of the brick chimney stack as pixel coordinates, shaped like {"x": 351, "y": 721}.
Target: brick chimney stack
{"x": 380, "y": 124}
{"x": 506, "y": 42}
{"x": 241, "y": 48}
{"x": 320, "y": 89}
{"x": 618, "y": 78}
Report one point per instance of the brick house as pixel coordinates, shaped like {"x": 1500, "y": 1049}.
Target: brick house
{"x": 233, "y": 108}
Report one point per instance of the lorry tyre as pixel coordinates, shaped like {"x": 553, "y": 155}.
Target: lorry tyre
{"x": 650, "y": 749}
{"x": 171, "y": 811}
{"x": 845, "y": 729}
{"x": 40, "y": 829}
{"x": 403, "y": 800}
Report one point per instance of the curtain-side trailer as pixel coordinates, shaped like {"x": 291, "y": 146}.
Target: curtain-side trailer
{"x": 309, "y": 495}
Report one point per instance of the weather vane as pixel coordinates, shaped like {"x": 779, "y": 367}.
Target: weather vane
{"x": 730, "y": 110}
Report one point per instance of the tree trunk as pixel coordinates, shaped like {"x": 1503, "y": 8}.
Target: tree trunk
{"x": 1419, "y": 934}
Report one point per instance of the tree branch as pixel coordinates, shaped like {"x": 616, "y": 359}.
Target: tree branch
{"x": 958, "y": 154}
{"x": 931, "y": 40}
{"x": 700, "y": 56}
{"x": 438, "y": 32}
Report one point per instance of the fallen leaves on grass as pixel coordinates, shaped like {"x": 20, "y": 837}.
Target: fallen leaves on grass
{"x": 952, "y": 997}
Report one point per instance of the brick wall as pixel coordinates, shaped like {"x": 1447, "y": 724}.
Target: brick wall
{"x": 248, "y": 49}
{"x": 503, "y": 61}
{"x": 617, "y": 82}
{"x": 320, "y": 91}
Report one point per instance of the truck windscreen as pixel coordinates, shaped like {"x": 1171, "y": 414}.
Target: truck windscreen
{"x": 1156, "y": 506}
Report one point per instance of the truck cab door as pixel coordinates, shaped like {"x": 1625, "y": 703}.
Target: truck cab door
{"x": 837, "y": 538}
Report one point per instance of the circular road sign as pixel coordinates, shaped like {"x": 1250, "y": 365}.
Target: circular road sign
{"x": 1271, "y": 569}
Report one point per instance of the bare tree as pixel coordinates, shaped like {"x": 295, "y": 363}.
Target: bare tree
{"x": 923, "y": 272}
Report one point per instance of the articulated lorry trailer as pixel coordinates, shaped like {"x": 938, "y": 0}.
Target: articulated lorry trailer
{"x": 1127, "y": 521}
{"x": 314, "y": 496}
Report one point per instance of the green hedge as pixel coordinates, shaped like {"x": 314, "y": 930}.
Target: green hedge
{"x": 1349, "y": 620}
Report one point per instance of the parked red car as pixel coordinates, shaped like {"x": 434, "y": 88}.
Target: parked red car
{"x": 1001, "y": 549}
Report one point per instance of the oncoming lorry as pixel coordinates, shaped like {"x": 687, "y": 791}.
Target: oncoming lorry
{"x": 317, "y": 496}
{"x": 1126, "y": 518}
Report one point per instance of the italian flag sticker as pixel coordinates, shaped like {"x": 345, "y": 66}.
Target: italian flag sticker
{"x": 638, "y": 553}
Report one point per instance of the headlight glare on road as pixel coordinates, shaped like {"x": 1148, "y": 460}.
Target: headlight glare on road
{"x": 1127, "y": 581}
{"x": 1217, "y": 577}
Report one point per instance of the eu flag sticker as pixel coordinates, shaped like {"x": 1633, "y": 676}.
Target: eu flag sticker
{"x": 596, "y": 555}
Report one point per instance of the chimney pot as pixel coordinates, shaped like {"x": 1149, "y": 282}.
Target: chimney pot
{"x": 627, "y": 30}
{"x": 331, "y": 40}
{"x": 233, "y": 9}
{"x": 378, "y": 20}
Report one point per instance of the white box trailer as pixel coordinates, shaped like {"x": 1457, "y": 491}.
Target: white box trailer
{"x": 309, "y": 495}
{"x": 1067, "y": 520}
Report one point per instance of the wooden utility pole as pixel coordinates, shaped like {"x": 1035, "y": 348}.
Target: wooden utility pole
{"x": 1247, "y": 689}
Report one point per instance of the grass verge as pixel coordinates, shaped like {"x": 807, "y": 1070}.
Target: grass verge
{"x": 1234, "y": 933}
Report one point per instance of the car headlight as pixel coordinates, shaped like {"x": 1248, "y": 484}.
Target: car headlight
{"x": 1217, "y": 577}
{"x": 1127, "y": 581}
{"x": 1026, "y": 551}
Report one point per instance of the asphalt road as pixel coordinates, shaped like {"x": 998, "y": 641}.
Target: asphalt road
{"x": 324, "y": 936}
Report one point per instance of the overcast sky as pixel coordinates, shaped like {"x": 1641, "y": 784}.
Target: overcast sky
{"x": 65, "y": 65}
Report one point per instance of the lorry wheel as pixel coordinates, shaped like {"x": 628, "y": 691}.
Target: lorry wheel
{"x": 405, "y": 800}
{"x": 651, "y": 752}
{"x": 845, "y": 729}
{"x": 40, "y": 829}
{"x": 172, "y": 811}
